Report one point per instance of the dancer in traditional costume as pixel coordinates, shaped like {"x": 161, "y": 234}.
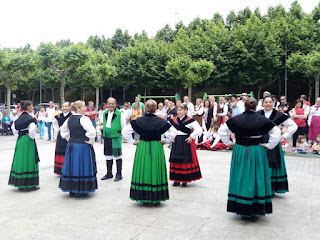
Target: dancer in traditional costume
{"x": 24, "y": 172}
{"x": 61, "y": 143}
{"x": 78, "y": 175}
{"x": 184, "y": 165}
{"x": 250, "y": 193}
{"x": 149, "y": 182}
{"x": 212, "y": 141}
{"x": 113, "y": 123}
{"x": 279, "y": 180}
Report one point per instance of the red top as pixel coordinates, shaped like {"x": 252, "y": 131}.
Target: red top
{"x": 308, "y": 103}
{"x": 92, "y": 117}
{"x": 300, "y": 122}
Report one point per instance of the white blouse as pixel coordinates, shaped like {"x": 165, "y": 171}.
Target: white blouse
{"x": 85, "y": 123}
{"x": 274, "y": 136}
{"x": 55, "y": 123}
{"x": 289, "y": 124}
{"x": 224, "y": 112}
{"x": 313, "y": 112}
{"x": 197, "y": 130}
{"x": 31, "y": 129}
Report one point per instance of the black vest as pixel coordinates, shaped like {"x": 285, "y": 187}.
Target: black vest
{"x": 150, "y": 127}
{"x": 250, "y": 128}
{"x": 61, "y": 118}
{"x": 23, "y": 122}
{"x": 77, "y": 133}
{"x": 276, "y": 117}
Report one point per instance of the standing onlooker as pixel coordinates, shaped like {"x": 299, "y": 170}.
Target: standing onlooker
{"x": 136, "y": 111}
{"x": 126, "y": 111}
{"x": 299, "y": 117}
{"x": 14, "y": 115}
{"x": 220, "y": 111}
{"x": 50, "y": 116}
{"x": 100, "y": 113}
{"x": 161, "y": 111}
{"x": 6, "y": 122}
{"x": 173, "y": 111}
{"x": 91, "y": 112}
{"x": 166, "y": 106}
{"x": 137, "y": 100}
{"x": 260, "y": 103}
{"x": 276, "y": 103}
{"x": 189, "y": 106}
{"x": 284, "y": 104}
{"x": 238, "y": 105}
{"x": 314, "y": 121}
{"x": 206, "y": 118}
{"x": 232, "y": 112}
{"x": 198, "y": 111}
{"x": 41, "y": 117}
{"x": 304, "y": 99}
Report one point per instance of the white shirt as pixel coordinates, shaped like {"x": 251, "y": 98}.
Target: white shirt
{"x": 274, "y": 136}
{"x": 289, "y": 124}
{"x": 55, "y": 123}
{"x": 86, "y": 123}
{"x": 123, "y": 121}
{"x": 42, "y": 116}
{"x": 31, "y": 129}
{"x": 126, "y": 113}
{"x": 224, "y": 112}
{"x": 313, "y": 112}
{"x": 198, "y": 110}
{"x": 50, "y": 112}
{"x": 190, "y": 108}
{"x": 13, "y": 118}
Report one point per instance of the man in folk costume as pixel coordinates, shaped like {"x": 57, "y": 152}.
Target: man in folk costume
{"x": 61, "y": 142}
{"x": 113, "y": 123}
{"x": 220, "y": 111}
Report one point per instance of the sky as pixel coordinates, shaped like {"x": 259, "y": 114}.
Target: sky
{"x": 35, "y": 21}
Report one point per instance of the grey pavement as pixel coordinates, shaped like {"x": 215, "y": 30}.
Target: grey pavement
{"x": 195, "y": 212}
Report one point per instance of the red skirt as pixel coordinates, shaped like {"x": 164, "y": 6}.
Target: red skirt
{"x": 58, "y": 164}
{"x": 186, "y": 172}
{"x": 314, "y": 129}
{"x": 207, "y": 146}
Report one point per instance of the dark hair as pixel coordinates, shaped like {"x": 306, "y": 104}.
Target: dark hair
{"x": 215, "y": 127}
{"x": 268, "y": 97}
{"x": 250, "y": 104}
{"x": 25, "y": 104}
{"x": 300, "y": 137}
{"x": 299, "y": 101}
{"x": 204, "y": 102}
{"x": 183, "y": 106}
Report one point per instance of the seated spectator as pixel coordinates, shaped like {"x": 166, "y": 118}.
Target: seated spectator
{"x": 316, "y": 146}
{"x": 14, "y": 116}
{"x": 6, "y": 123}
{"x": 302, "y": 145}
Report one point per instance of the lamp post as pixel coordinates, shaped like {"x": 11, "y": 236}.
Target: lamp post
{"x": 285, "y": 76}
{"x": 40, "y": 91}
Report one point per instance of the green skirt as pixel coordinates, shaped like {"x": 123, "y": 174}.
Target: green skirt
{"x": 149, "y": 175}
{"x": 24, "y": 170}
{"x": 279, "y": 179}
{"x": 250, "y": 186}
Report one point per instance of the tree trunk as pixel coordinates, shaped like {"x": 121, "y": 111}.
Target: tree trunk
{"x": 280, "y": 87}
{"x": 310, "y": 92}
{"x": 29, "y": 94}
{"x": 259, "y": 92}
{"x": 62, "y": 86}
{"x": 83, "y": 94}
{"x": 190, "y": 92}
{"x": 33, "y": 92}
{"x": 8, "y": 99}
{"x": 124, "y": 94}
{"x": 101, "y": 95}
{"x": 149, "y": 91}
{"x": 110, "y": 92}
{"x": 97, "y": 98}
{"x": 44, "y": 95}
{"x": 316, "y": 87}
{"x": 52, "y": 91}
{"x": 145, "y": 93}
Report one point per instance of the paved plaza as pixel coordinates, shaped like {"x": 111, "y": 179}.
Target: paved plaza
{"x": 195, "y": 212}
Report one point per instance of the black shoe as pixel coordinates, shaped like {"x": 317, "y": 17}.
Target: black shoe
{"x": 184, "y": 184}
{"x": 118, "y": 177}
{"x": 83, "y": 194}
{"x": 22, "y": 189}
{"x": 107, "y": 176}
{"x": 176, "y": 184}
{"x": 33, "y": 188}
{"x": 71, "y": 194}
{"x": 254, "y": 218}
{"x": 156, "y": 204}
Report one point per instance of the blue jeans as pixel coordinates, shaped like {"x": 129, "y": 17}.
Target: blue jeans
{"x": 94, "y": 123}
{"x": 49, "y": 124}
{"x": 41, "y": 128}
{"x": 301, "y": 151}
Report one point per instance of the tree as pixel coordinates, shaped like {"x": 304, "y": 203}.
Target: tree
{"x": 62, "y": 60}
{"x": 13, "y": 66}
{"x": 189, "y": 72}
{"x": 308, "y": 64}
